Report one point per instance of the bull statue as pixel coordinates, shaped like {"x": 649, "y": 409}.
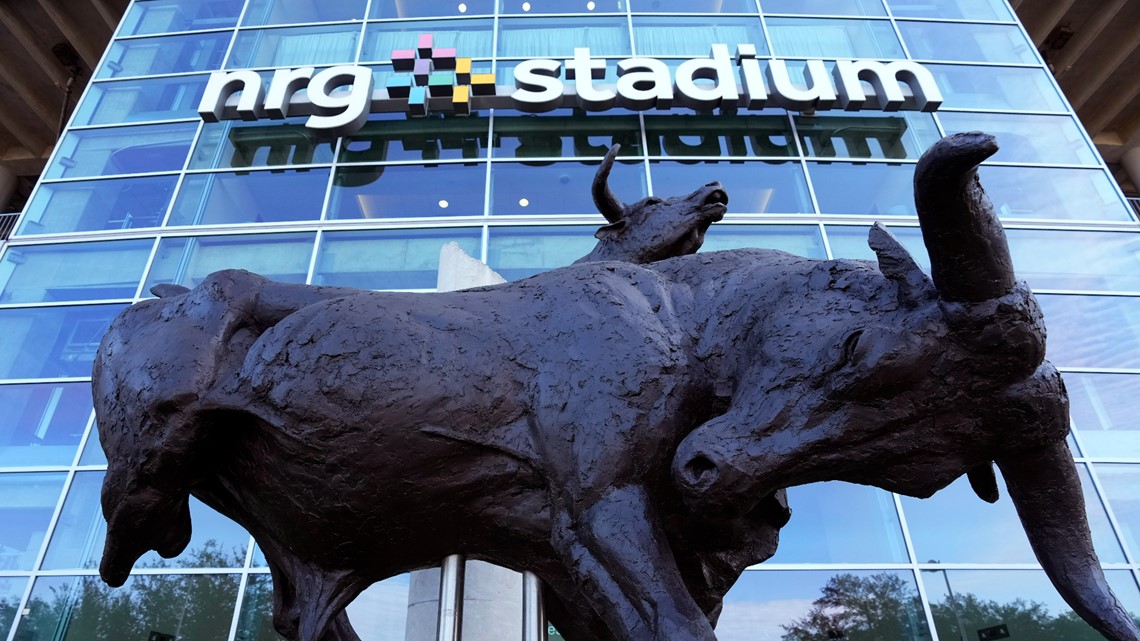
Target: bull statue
{"x": 625, "y": 432}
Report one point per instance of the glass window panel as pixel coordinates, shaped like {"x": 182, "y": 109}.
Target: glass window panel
{"x": 167, "y": 54}
{"x": 966, "y": 602}
{"x": 239, "y": 145}
{"x": 841, "y": 523}
{"x": 823, "y": 604}
{"x": 186, "y": 261}
{"x": 828, "y": 38}
{"x": 29, "y": 501}
{"x": 128, "y": 101}
{"x": 269, "y": 12}
{"x": 967, "y": 42}
{"x": 122, "y": 150}
{"x": 253, "y": 197}
{"x": 518, "y": 252}
{"x": 52, "y": 342}
{"x": 560, "y": 188}
{"x": 294, "y": 46}
{"x": 1005, "y": 88}
{"x": 77, "y": 541}
{"x": 754, "y": 187}
{"x": 1076, "y": 259}
{"x": 955, "y": 526}
{"x": 1092, "y": 331}
{"x": 562, "y": 6}
{"x": 83, "y": 608}
{"x": 11, "y": 592}
{"x": 469, "y": 38}
{"x": 957, "y": 9}
{"x": 801, "y": 240}
{"x": 890, "y": 136}
{"x": 42, "y": 424}
{"x": 389, "y": 259}
{"x": 825, "y": 7}
{"x": 564, "y": 133}
{"x": 430, "y": 8}
{"x": 1103, "y": 409}
{"x": 1047, "y": 192}
{"x": 93, "y": 451}
{"x": 93, "y": 205}
{"x": 873, "y": 189}
{"x": 73, "y": 271}
{"x": 693, "y": 6}
{"x": 408, "y": 191}
{"x": 1121, "y": 484}
{"x": 1025, "y": 138}
{"x": 166, "y": 16}
{"x": 505, "y": 75}
{"x": 686, "y": 37}
{"x": 557, "y": 37}
{"x": 767, "y": 133}
{"x": 388, "y": 137}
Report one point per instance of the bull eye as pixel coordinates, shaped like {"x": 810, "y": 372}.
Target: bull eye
{"x": 653, "y": 200}
{"x": 850, "y": 346}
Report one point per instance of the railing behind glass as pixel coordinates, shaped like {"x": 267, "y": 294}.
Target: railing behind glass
{"x": 1135, "y": 202}
{"x": 7, "y": 225}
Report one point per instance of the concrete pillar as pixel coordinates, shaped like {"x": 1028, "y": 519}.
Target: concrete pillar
{"x": 1130, "y": 160}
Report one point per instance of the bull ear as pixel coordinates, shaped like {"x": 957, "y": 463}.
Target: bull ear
{"x": 166, "y": 290}
{"x": 610, "y": 230}
{"x": 896, "y": 263}
{"x": 984, "y": 483}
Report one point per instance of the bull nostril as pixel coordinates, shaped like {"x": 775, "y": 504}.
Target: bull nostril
{"x": 701, "y": 472}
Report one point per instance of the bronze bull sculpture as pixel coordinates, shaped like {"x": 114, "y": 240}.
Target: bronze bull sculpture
{"x": 622, "y": 431}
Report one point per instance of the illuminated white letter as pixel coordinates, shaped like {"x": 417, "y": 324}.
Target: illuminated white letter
{"x": 755, "y": 89}
{"x": 886, "y": 79}
{"x": 537, "y": 87}
{"x": 819, "y": 94}
{"x": 222, "y": 85}
{"x": 345, "y": 112}
{"x": 644, "y": 83}
{"x": 583, "y": 70}
{"x": 285, "y": 83}
{"x": 717, "y": 68}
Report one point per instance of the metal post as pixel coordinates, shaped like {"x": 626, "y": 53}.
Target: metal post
{"x": 534, "y": 618}
{"x": 450, "y": 598}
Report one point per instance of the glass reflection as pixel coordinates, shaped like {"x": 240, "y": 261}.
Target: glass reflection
{"x": 389, "y": 259}
{"x": 1023, "y": 138}
{"x": 83, "y": 608}
{"x": 1092, "y": 331}
{"x": 1094, "y": 261}
{"x": 93, "y": 450}
{"x": 1103, "y": 409}
{"x": 92, "y": 205}
{"x": 834, "y": 39}
{"x": 850, "y": 241}
{"x": 841, "y": 523}
{"x": 238, "y": 145}
{"x": 882, "y": 189}
{"x": 186, "y": 261}
{"x": 1005, "y": 88}
{"x": 269, "y": 12}
{"x": 42, "y": 424}
{"x": 1120, "y": 484}
{"x": 754, "y": 187}
{"x": 693, "y": 6}
{"x": 896, "y": 136}
{"x": 52, "y": 342}
{"x": 29, "y": 501}
{"x": 168, "y": 54}
{"x": 294, "y": 46}
{"x": 122, "y": 150}
{"x": 73, "y": 271}
{"x": 167, "y": 16}
{"x": 408, "y": 191}
{"x": 762, "y": 134}
{"x": 819, "y": 605}
{"x": 1047, "y": 192}
{"x": 802, "y": 240}
{"x": 11, "y": 592}
{"x": 469, "y": 38}
{"x": 141, "y": 100}
{"x": 825, "y": 7}
{"x": 959, "y": 9}
{"x": 559, "y": 188}
{"x": 557, "y": 37}
{"x": 77, "y": 542}
{"x": 967, "y": 42}
{"x": 518, "y": 252}
{"x": 430, "y": 8}
{"x": 254, "y": 197}
{"x": 966, "y": 603}
{"x": 689, "y": 37}
{"x": 564, "y": 133}
{"x": 391, "y": 137}
{"x": 562, "y": 6}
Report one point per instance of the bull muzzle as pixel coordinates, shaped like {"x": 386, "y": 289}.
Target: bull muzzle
{"x": 142, "y": 521}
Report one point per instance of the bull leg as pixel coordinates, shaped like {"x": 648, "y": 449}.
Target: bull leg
{"x": 617, "y": 552}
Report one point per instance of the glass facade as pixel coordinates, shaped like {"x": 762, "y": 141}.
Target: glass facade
{"x": 141, "y": 192}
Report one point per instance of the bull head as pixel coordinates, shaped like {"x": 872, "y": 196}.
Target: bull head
{"x": 653, "y": 228}
{"x": 879, "y": 375}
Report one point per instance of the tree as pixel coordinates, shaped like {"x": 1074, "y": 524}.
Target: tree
{"x": 881, "y": 607}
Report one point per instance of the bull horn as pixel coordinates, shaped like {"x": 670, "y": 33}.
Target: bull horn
{"x": 1046, "y": 491}
{"x": 604, "y": 198}
{"x": 969, "y": 256}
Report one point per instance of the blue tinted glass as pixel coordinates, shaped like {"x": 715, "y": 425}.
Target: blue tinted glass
{"x": 1083, "y": 260}
{"x": 1103, "y": 409}
{"x": 1092, "y": 331}
{"x": 691, "y": 6}
{"x": 559, "y": 188}
{"x": 1006, "y": 88}
{"x": 389, "y": 137}
{"x": 267, "y": 12}
{"x": 408, "y": 191}
{"x": 42, "y": 424}
{"x": 11, "y": 592}
{"x": 767, "y": 134}
{"x": 557, "y": 37}
{"x": 294, "y": 46}
{"x": 825, "y": 7}
{"x": 1023, "y": 138}
{"x": 572, "y": 6}
{"x": 469, "y": 38}
{"x": 254, "y": 197}
{"x": 894, "y": 136}
{"x": 967, "y": 42}
{"x": 93, "y": 451}
{"x": 1045, "y": 192}
{"x": 1119, "y": 483}
{"x": 684, "y": 36}
{"x": 802, "y": 240}
{"x": 74, "y": 271}
{"x": 187, "y": 606}
{"x": 754, "y": 187}
{"x": 29, "y": 501}
{"x": 518, "y": 252}
{"x": 238, "y": 145}
{"x": 215, "y": 541}
{"x": 841, "y": 523}
{"x": 826, "y": 38}
{"x": 823, "y": 604}
{"x": 389, "y": 259}
{"x": 52, "y": 342}
{"x": 94, "y": 205}
{"x": 166, "y": 16}
{"x": 141, "y": 100}
{"x": 958, "y": 9}
{"x": 430, "y": 8}
{"x": 873, "y": 189}
{"x": 167, "y": 54}
{"x": 186, "y": 261}
{"x": 564, "y": 133}
{"x": 122, "y": 150}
